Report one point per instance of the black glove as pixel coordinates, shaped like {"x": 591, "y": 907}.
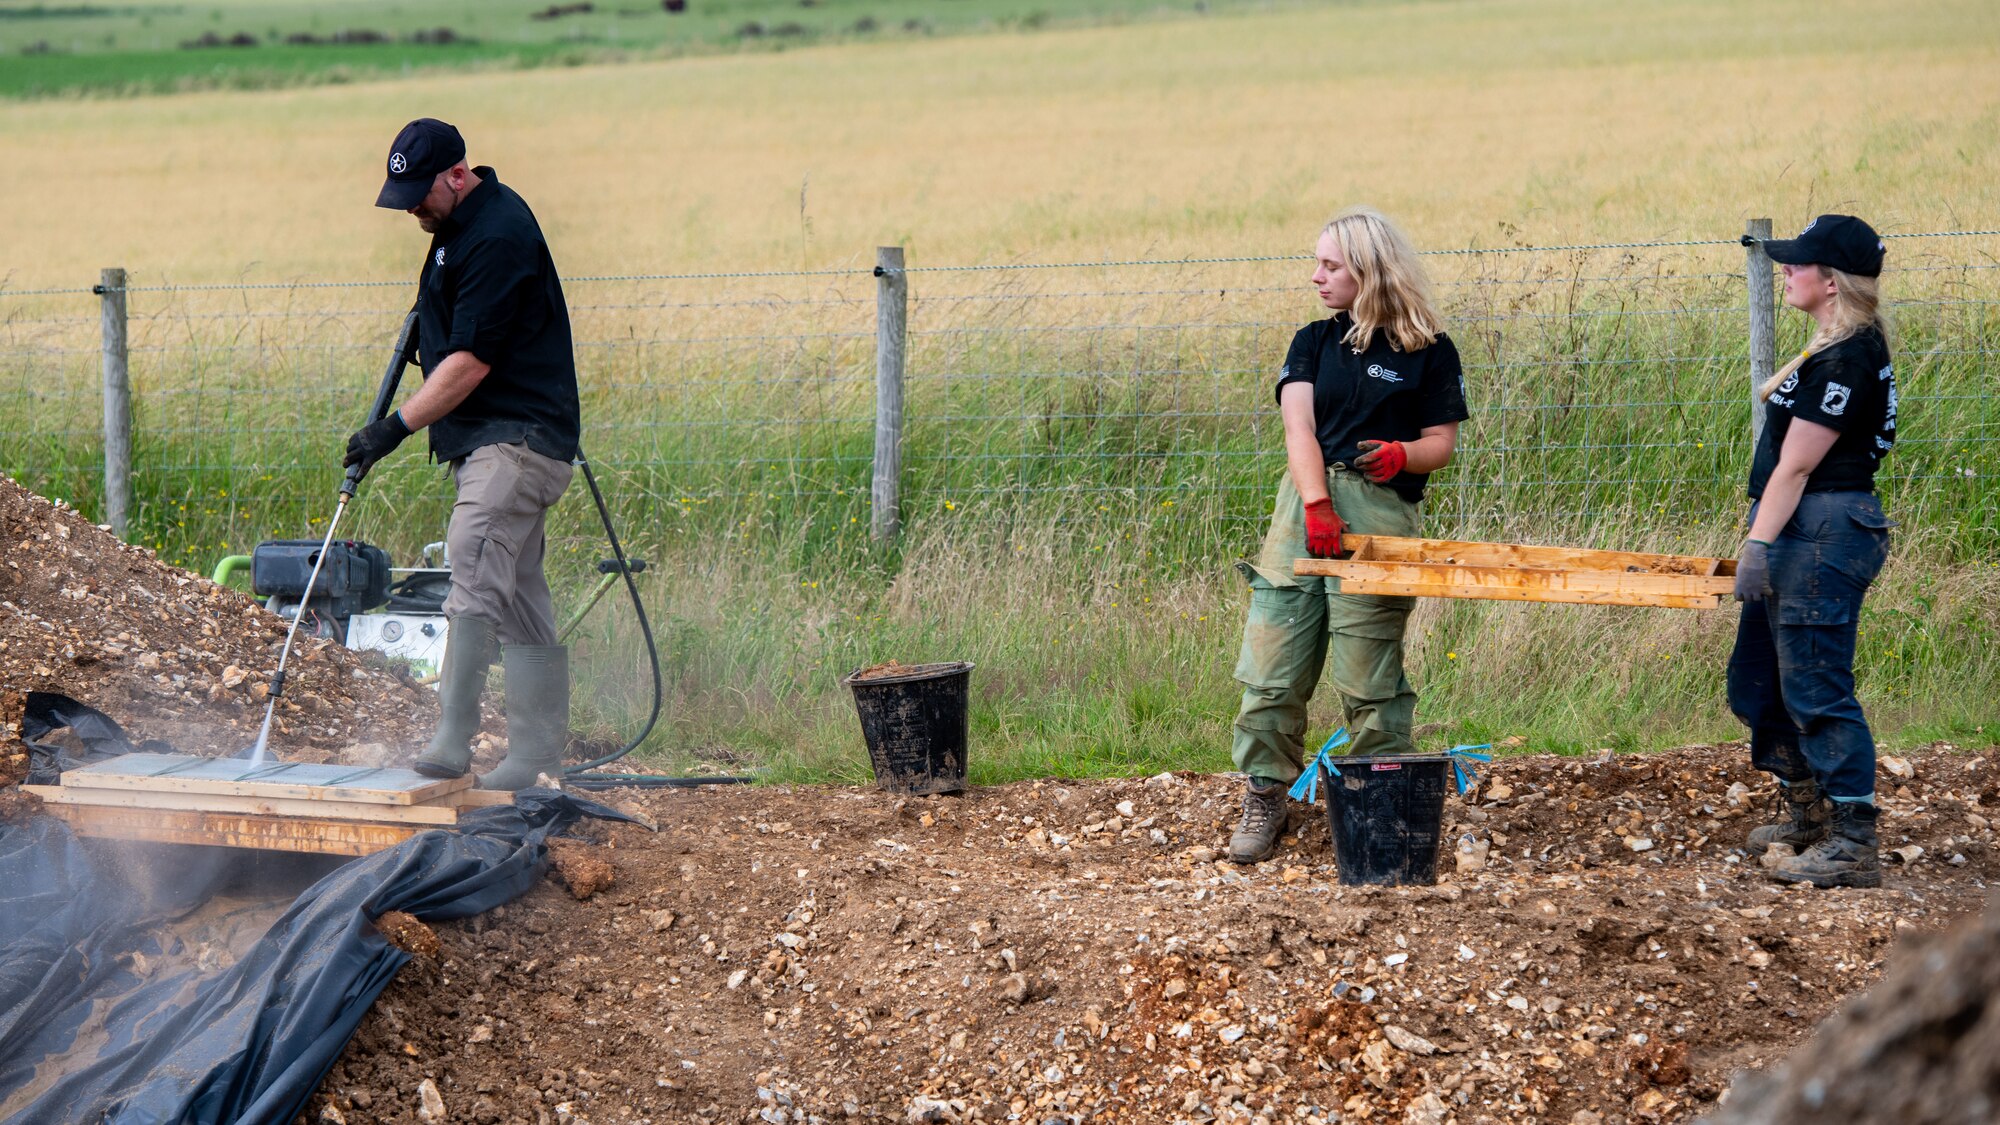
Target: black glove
{"x": 1753, "y": 571}
{"x": 373, "y": 442}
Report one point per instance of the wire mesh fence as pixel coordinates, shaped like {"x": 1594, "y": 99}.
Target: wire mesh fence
{"x": 1609, "y": 388}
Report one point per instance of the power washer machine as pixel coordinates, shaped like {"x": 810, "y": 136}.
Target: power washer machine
{"x": 359, "y": 599}
{"x": 364, "y": 603}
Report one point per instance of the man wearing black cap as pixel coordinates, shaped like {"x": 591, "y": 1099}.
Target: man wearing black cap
{"x": 500, "y": 401}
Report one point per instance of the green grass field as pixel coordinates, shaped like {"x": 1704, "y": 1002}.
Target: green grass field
{"x": 1088, "y": 449}
{"x": 151, "y": 46}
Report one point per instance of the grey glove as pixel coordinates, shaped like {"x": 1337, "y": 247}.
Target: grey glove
{"x": 1753, "y": 571}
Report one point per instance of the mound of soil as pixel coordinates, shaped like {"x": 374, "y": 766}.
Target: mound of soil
{"x": 1062, "y": 951}
{"x": 173, "y": 656}
{"x": 1920, "y": 1048}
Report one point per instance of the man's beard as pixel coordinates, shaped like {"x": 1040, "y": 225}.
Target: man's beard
{"x": 428, "y": 222}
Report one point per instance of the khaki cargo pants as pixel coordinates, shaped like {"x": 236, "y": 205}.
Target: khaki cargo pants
{"x": 1296, "y": 623}
{"x": 497, "y": 539}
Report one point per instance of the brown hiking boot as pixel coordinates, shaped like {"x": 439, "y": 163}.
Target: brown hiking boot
{"x": 1265, "y": 817}
{"x": 1845, "y": 858}
{"x": 1806, "y": 813}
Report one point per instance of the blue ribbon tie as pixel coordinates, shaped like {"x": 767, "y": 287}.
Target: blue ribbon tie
{"x": 1306, "y": 788}
{"x": 1461, "y": 759}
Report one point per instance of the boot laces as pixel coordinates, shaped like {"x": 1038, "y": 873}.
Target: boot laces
{"x": 1258, "y": 811}
{"x": 1834, "y": 848}
{"x": 1794, "y": 812}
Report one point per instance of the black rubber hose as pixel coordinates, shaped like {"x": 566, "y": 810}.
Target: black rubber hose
{"x": 647, "y": 781}
{"x": 645, "y": 625}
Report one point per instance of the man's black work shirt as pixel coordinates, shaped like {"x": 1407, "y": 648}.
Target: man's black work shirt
{"x": 1849, "y": 387}
{"x": 490, "y": 288}
{"x": 1377, "y": 393}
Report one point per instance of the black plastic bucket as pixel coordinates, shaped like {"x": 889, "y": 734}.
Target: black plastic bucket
{"x": 1387, "y": 813}
{"x": 914, "y": 723}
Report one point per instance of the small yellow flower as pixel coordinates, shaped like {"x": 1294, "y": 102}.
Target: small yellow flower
{"x": 950, "y": 507}
{"x": 1451, "y": 656}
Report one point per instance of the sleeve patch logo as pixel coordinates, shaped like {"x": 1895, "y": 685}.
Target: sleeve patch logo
{"x": 1835, "y": 400}
{"x": 1790, "y": 384}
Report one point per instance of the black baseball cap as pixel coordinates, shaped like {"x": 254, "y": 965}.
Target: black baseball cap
{"x": 424, "y": 148}
{"x": 1840, "y": 241}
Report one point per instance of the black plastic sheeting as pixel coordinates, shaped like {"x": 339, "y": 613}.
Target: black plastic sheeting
{"x": 105, "y": 1018}
{"x": 45, "y": 712}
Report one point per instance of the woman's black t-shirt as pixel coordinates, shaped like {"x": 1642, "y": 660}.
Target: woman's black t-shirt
{"x": 1849, "y": 387}
{"x": 1377, "y": 393}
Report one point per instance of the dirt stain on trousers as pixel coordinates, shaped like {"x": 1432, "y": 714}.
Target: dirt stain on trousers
{"x": 1301, "y": 626}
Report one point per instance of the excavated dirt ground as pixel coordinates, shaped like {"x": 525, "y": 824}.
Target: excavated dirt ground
{"x": 1067, "y": 951}
{"x": 1598, "y": 949}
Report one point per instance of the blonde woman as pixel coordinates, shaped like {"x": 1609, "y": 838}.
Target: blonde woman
{"x": 1371, "y": 399}
{"x": 1817, "y": 539}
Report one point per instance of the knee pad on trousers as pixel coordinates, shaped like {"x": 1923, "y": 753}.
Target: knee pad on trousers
{"x": 1274, "y": 721}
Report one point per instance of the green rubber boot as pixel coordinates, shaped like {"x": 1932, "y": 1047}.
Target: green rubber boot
{"x": 537, "y": 715}
{"x": 468, "y": 652}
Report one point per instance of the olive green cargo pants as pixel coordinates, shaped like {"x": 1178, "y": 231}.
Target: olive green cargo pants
{"x": 1297, "y": 622}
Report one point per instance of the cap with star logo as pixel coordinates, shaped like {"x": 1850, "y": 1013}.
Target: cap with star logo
{"x": 1840, "y": 241}
{"x": 424, "y": 148}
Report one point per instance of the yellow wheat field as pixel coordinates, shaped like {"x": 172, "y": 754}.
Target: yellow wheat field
{"x": 1536, "y": 120}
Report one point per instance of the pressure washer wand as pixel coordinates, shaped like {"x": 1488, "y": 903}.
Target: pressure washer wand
{"x": 384, "y": 395}
{"x": 278, "y": 678}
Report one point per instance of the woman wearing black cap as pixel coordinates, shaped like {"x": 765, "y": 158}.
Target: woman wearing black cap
{"x": 1817, "y": 539}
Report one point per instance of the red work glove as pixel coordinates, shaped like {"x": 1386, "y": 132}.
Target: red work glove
{"x": 1381, "y": 463}
{"x": 1323, "y": 528}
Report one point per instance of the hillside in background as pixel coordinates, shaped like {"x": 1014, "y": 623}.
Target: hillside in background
{"x": 154, "y": 46}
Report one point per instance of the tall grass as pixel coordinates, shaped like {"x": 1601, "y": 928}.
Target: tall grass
{"x": 1087, "y": 451}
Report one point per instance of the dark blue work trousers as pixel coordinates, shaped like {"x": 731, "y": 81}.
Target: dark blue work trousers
{"x": 1791, "y": 677}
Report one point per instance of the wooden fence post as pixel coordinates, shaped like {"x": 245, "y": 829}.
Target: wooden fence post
{"x": 117, "y": 403}
{"x": 892, "y": 317}
{"x": 1763, "y": 320}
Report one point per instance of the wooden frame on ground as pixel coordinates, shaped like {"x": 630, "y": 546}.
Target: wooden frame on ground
{"x": 228, "y": 802}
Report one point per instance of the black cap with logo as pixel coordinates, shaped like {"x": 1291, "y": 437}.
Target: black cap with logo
{"x": 424, "y": 148}
{"x": 1841, "y": 241}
